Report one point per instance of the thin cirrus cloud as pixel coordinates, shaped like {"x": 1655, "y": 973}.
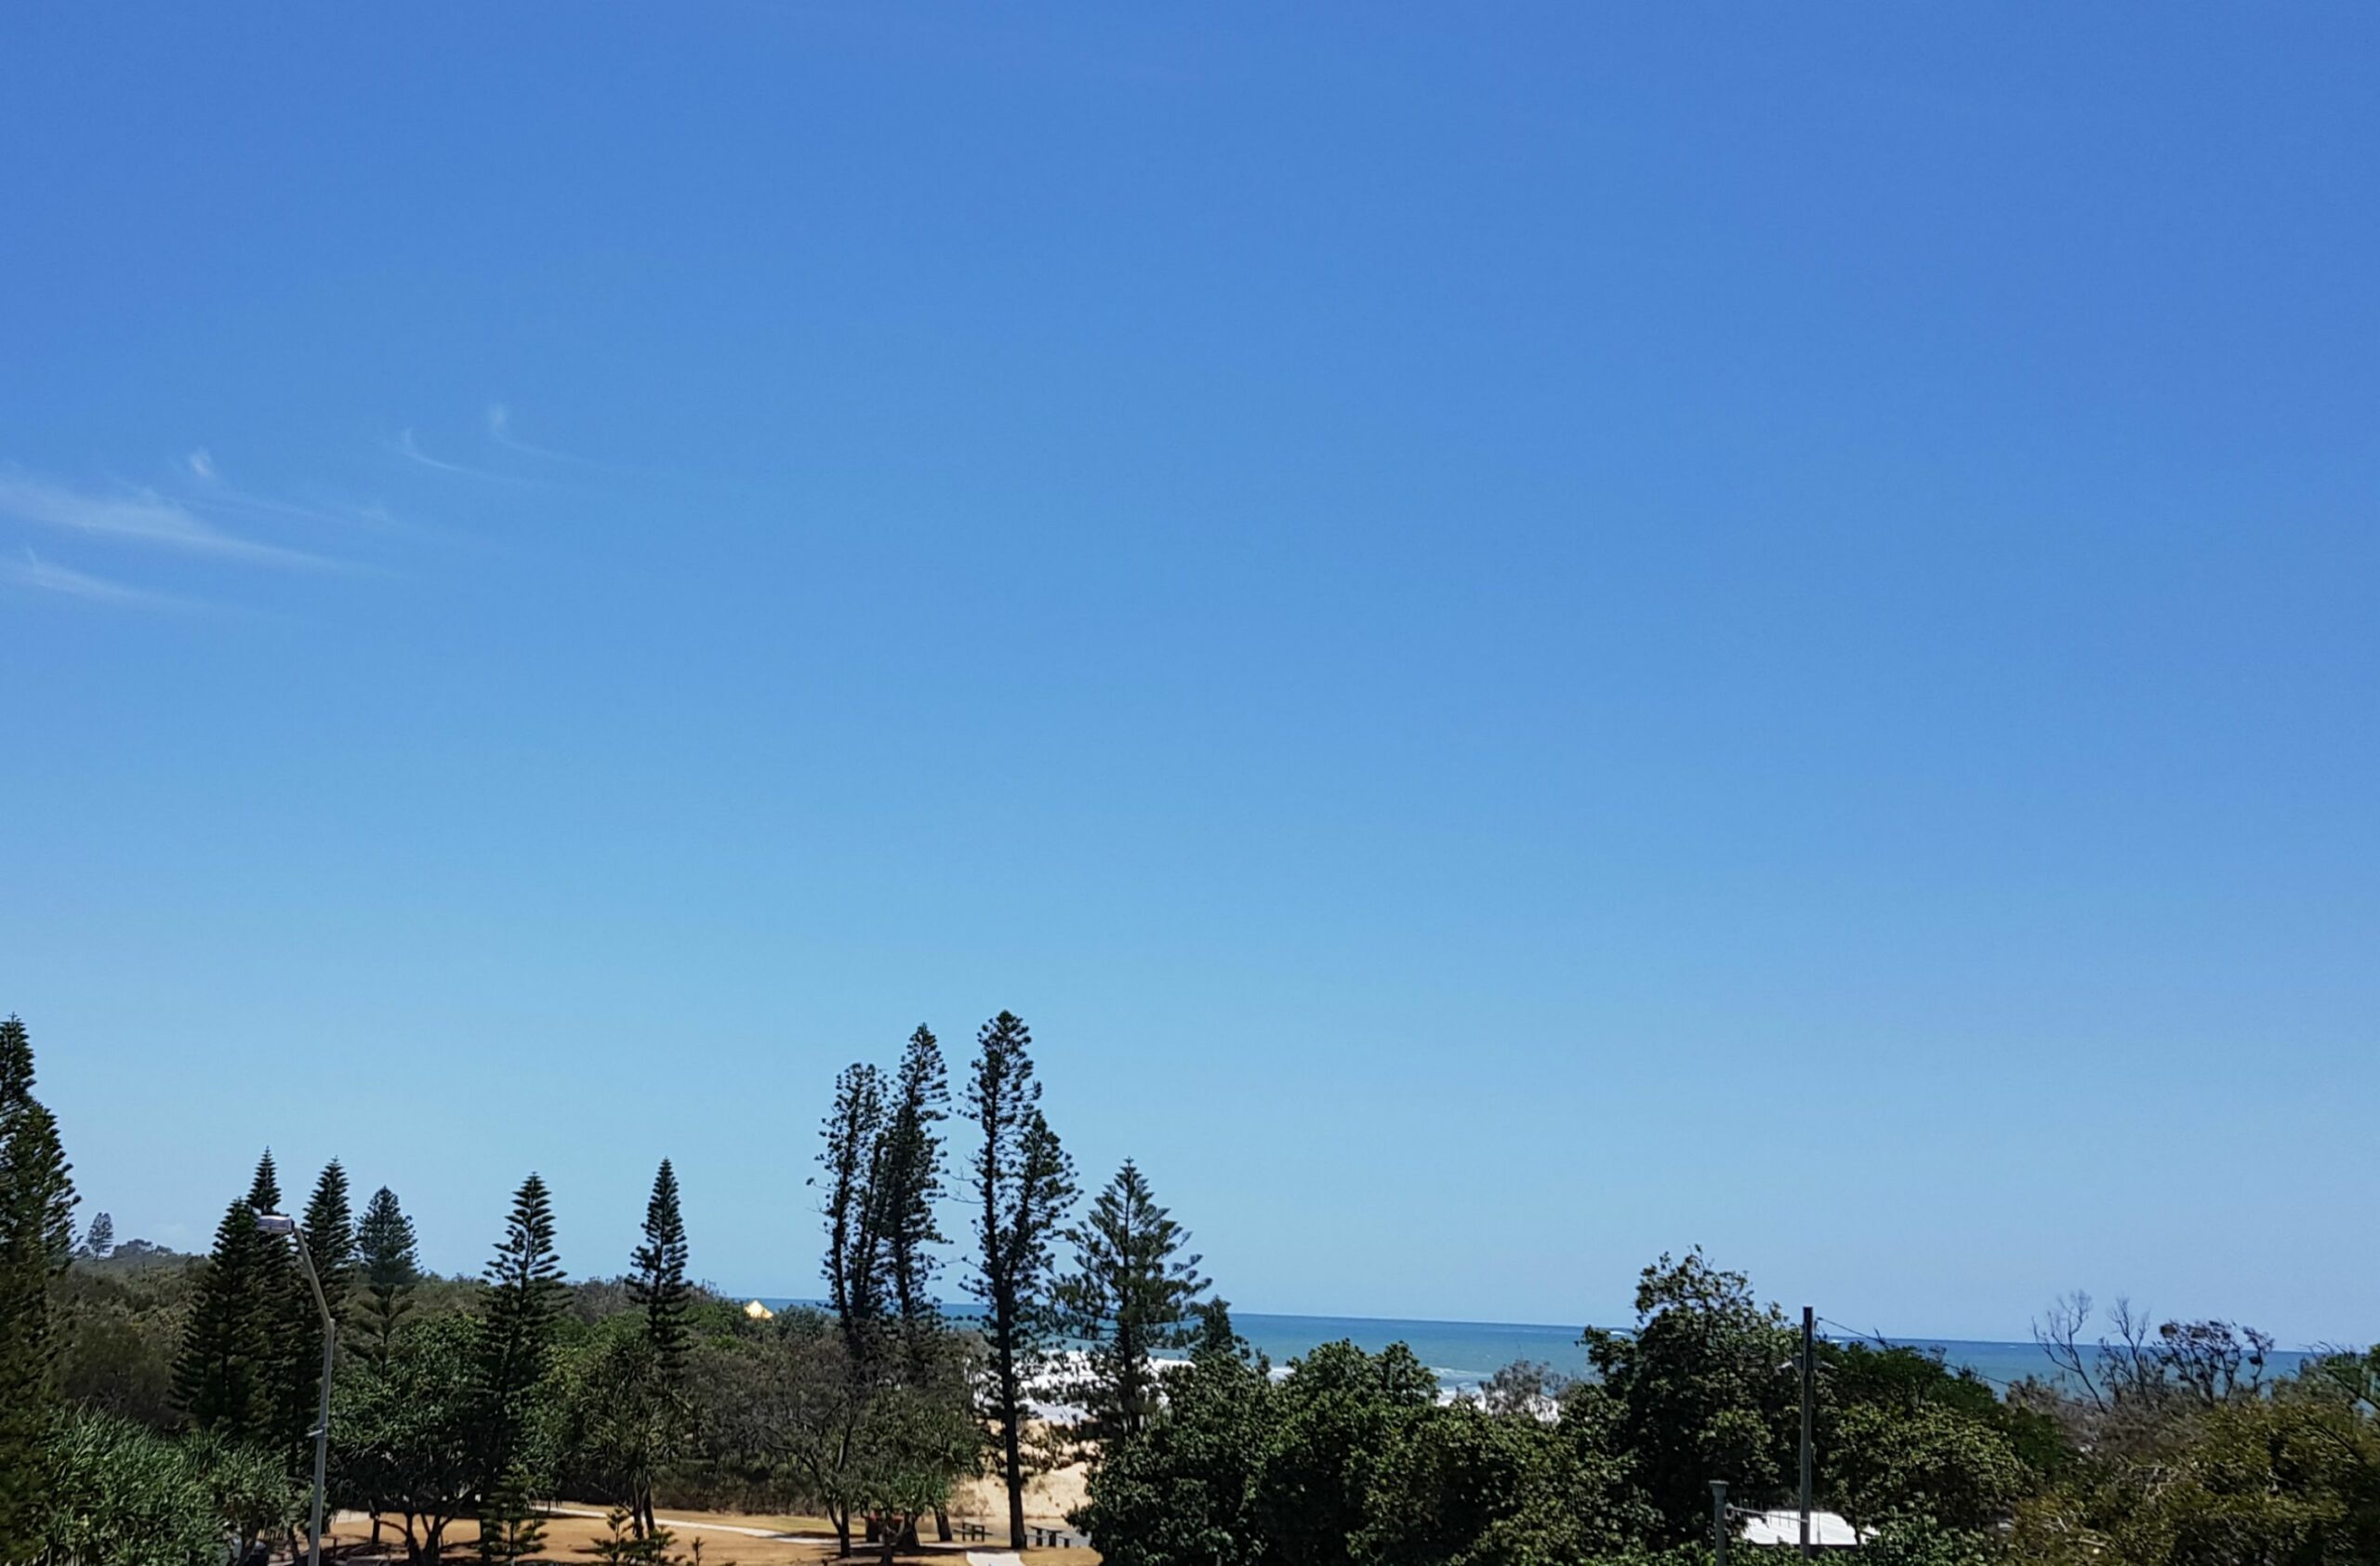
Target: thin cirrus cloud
{"x": 48, "y": 576}
{"x": 499, "y": 430}
{"x": 404, "y": 446}
{"x": 212, "y": 494}
{"x": 141, "y": 517}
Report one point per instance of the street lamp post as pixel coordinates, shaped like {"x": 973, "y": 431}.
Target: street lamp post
{"x": 274, "y": 1222}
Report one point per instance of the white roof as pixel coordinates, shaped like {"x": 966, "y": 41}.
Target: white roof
{"x": 1783, "y": 1526}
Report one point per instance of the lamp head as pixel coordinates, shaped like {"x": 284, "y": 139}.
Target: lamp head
{"x": 276, "y": 1223}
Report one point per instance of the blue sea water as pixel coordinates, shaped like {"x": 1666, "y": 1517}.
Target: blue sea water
{"x": 1466, "y": 1353}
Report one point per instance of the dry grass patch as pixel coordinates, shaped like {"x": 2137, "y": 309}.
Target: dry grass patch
{"x": 573, "y": 1539}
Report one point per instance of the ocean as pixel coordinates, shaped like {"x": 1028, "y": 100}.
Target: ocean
{"x": 1463, "y": 1354}
{"x": 1466, "y": 1353}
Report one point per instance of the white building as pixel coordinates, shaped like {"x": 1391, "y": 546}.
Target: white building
{"x": 1783, "y": 1526}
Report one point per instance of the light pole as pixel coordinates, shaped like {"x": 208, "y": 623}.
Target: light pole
{"x": 1807, "y": 1362}
{"x": 274, "y": 1222}
{"x": 1809, "y": 1404}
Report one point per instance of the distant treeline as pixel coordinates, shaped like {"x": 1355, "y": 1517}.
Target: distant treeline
{"x": 160, "y": 1387}
{"x": 157, "y": 1409}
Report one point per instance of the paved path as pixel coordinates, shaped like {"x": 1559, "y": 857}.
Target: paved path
{"x": 1072, "y": 1540}
{"x": 710, "y": 1527}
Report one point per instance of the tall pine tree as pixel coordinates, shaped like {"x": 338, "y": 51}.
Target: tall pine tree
{"x": 390, "y": 1267}
{"x": 295, "y": 1329}
{"x": 854, "y": 1134}
{"x": 1024, "y": 1185}
{"x": 43, "y": 1198}
{"x": 653, "y": 1374}
{"x": 913, "y": 1184}
{"x": 16, "y": 1063}
{"x": 36, "y": 1243}
{"x": 330, "y": 1239}
{"x": 328, "y": 1231}
{"x": 264, "y": 1189}
{"x": 226, "y": 1378}
{"x": 1130, "y": 1294}
{"x": 515, "y": 1343}
{"x": 657, "y": 1281}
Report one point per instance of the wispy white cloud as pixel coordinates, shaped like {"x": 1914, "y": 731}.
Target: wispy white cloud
{"x": 499, "y": 430}
{"x": 138, "y": 516}
{"x": 407, "y": 448}
{"x": 374, "y": 518}
{"x": 48, "y": 576}
{"x": 201, "y": 464}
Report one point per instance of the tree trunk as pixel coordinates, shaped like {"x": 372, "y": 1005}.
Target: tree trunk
{"x": 942, "y": 1524}
{"x": 434, "y": 1541}
{"x": 1013, "y": 1448}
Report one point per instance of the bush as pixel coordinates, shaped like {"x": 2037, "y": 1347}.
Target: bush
{"x": 125, "y": 1496}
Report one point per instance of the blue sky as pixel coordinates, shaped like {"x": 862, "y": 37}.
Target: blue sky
{"x": 1524, "y": 637}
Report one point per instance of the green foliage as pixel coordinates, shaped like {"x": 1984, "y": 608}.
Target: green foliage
{"x": 516, "y": 1336}
{"x": 2290, "y": 1479}
{"x": 99, "y": 1241}
{"x": 881, "y": 1175}
{"x": 119, "y": 1323}
{"x": 783, "y": 1404}
{"x": 16, "y": 1063}
{"x": 391, "y": 1269}
{"x": 1129, "y": 1297}
{"x": 121, "y": 1495}
{"x": 1184, "y": 1493}
{"x": 1336, "y": 1416}
{"x": 329, "y": 1230}
{"x": 404, "y": 1430}
{"x": 1902, "y": 1378}
{"x": 1351, "y": 1461}
{"x": 36, "y": 1234}
{"x": 1928, "y": 1460}
{"x": 277, "y": 1331}
{"x": 36, "y": 1244}
{"x": 619, "y": 1417}
{"x": 854, "y": 1134}
{"x": 1461, "y": 1486}
{"x": 909, "y": 1182}
{"x": 626, "y": 1543}
{"x": 1694, "y": 1394}
{"x": 1023, "y": 1183}
{"x": 913, "y": 1439}
{"x": 1917, "y": 1539}
{"x": 657, "y": 1283}
{"x": 224, "y": 1379}
{"x": 264, "y": 1189}
{"x": 252, "y": 1491}
{"x": 512, "y": 1529}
